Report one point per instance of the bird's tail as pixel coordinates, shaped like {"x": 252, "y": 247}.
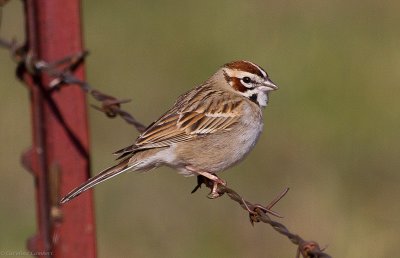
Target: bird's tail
{"x": 106, "y": 174}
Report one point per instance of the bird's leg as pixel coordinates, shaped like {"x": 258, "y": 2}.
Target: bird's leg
{"x": 214, "y": 178}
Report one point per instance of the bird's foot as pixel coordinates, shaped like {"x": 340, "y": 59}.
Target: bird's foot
{"x": 212, "y": 181}
{"x": 214, "y": 192}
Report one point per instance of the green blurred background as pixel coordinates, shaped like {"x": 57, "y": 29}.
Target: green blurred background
{"x": 331, "y": 131}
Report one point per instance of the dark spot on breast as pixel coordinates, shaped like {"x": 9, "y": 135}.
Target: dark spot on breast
{"x": 254, "y": 98}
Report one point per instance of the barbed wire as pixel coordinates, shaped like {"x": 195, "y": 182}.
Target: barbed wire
{"x": 111, "y": 106}
{"x": 62, "y": 73}
{"x": 258, "y": 213}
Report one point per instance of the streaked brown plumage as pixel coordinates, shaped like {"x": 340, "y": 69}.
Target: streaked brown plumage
{"x": 208, "y": 130}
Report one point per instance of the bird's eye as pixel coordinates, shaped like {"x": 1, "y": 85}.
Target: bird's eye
{"x": 246, "y": 79}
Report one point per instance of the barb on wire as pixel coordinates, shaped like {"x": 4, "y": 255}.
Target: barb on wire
{"x": 110, "y": 105}
{"x": 62, "y": 73}
{"x": 259, "y": 213}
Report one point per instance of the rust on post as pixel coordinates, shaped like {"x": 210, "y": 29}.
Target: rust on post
{"x": 59, "y": 157}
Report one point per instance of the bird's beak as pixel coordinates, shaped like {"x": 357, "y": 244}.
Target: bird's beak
{"x": 268, "y": 85}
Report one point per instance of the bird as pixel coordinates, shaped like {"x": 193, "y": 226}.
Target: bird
{"x": 208, "y": 130}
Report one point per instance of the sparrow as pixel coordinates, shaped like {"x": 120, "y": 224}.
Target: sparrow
{"x": 209, "y": 129}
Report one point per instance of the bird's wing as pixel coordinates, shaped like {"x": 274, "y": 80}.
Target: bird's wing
{"x": 195, "y": 114}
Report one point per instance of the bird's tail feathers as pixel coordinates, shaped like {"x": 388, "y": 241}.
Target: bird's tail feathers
{"x": 106, "y": 174}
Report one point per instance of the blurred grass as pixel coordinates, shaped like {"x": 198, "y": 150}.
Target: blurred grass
{"x": 331, "y": 131}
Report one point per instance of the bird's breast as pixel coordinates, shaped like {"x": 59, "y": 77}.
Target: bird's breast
{"x": 216, "y": 152}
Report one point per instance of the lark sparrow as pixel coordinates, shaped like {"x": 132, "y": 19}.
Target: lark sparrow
{"x": 208, "y": 130}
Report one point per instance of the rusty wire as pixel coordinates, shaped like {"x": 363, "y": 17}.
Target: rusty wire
{"x": 259, "y": 213}
{"x": 61, "y": 72}
{"x": 111, "y": 106}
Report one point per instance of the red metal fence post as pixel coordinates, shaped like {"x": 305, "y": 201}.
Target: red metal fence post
{"x": 59, "y": 157}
